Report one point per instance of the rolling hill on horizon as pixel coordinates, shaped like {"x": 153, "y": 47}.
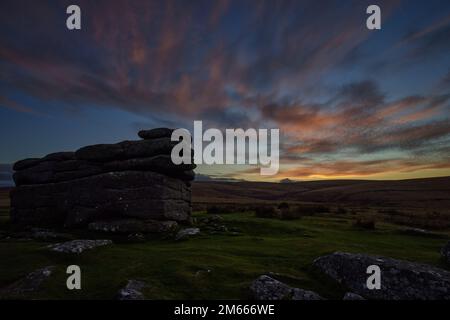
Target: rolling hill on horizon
{"x": 413, "y": 193}
{"x": 424, "y": 192}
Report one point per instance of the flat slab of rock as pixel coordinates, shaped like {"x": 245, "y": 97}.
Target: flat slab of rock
{"x": 132, "y": 291}
{"x": 46, "y": 235}
{"x": 78, "y": 246}
{"x": 267, "y": 288}
{"x": 29, "y": 284}
{"x": 47, "y": 171}
{"x": 155, "y": 133}
{"x": 125, "y": 150}
{"x": 400, "y": 280}
{"x": 186, "y": 233}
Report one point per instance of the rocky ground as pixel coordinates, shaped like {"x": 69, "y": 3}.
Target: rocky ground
{"x": 227, "y": 256}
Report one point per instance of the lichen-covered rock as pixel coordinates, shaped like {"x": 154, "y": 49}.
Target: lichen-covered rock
{"x": 78, "y": 246}
{"x": 132, "y": 291}
{"x": 32, "y": 282}
{"x": 267, "y": 288}
{"x": 400, "y": 280}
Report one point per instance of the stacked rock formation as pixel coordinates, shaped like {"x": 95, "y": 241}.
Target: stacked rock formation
{"x": 133, "y": 183}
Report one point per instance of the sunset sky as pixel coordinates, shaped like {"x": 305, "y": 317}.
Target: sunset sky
{"x": 350, "y": 102}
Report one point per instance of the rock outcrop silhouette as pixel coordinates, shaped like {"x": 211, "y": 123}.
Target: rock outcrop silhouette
{"x": 106, "y": 182}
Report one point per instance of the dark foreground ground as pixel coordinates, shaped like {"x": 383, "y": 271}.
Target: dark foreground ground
{"x": 221, "y": 265}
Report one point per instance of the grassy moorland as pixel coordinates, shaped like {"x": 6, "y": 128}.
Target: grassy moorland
{"x": 215, "y": 266}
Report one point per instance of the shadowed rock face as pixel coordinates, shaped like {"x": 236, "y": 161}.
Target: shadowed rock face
{"x": 400, "y": 280}
{"x": 130, "y": 179}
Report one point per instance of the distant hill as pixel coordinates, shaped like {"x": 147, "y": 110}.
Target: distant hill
{"x": 427, "y": 192}
{"x": 418, "y": 193}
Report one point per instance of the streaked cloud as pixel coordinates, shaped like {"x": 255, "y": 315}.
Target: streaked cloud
{"x": 337, "y": 91}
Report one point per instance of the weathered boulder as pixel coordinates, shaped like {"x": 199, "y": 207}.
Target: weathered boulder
{"x": 267, "y": 288}
{"x": 445, "y": 252}
{"x": 32, "y": 282}
{"x": 129, "y": 179}
{"x": 400, "y": 280}
{"x": 132, "y": 291}
{"x": 78, "y": 246}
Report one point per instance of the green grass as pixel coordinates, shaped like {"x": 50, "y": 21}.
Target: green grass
{"x": 171, "y": 268}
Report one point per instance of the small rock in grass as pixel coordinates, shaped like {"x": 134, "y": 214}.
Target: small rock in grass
{"x": 78, "y": 246}
{"x": 44, "y": 234}
{"x": 200, "y": 273}
{"x": 29, "y": 284}
{"x": 132, "y": 291}
{"x": 136, "y": 237}
{"x": 186, "y": 233}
